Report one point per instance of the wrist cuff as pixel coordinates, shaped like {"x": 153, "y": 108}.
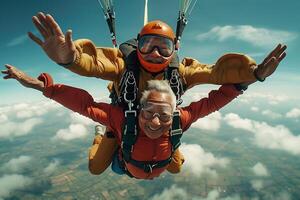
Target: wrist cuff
{"x": 240, "y": 87}
{"x": 257, "y": 77}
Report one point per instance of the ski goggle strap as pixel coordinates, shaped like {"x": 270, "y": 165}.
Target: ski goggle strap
{"x": 147, "y": 44}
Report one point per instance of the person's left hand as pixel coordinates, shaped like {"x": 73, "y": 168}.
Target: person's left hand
{"x": 271, "y": 62}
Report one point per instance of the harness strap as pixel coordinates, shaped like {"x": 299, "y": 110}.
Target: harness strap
{"x": 176, "y": 85}
{"x": 127, "y": 147}
{"x": 172, "y": 75}
{"x": 149, "y": 166}
{"x": 129, "y": 90}
{"x": 176, "y": 131}
{"x": 129, "y": 135}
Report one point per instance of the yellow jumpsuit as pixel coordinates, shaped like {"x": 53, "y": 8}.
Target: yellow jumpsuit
{"x": 108, "y": 64}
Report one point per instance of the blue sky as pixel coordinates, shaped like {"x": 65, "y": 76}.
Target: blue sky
{"x": 268, "y": 114}
{"x": 215, "y": 27}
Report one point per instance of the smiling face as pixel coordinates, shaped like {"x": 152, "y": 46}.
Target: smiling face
{"x": 155, "y": 118}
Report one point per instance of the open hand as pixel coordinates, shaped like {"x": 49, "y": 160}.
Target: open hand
{"x": 14, "y": 73}
{"x": 271, "y": 62}
{"x": 59, "y": 47}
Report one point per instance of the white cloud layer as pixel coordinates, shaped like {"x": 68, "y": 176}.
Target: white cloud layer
{"x": 272, "y": 99}
{"x": 215, "y": 195}
{"x": 199, "y": 162}
{"x": 17, "y": 164}
{"x": 80, "y": 119}
{"x": 211, "y": 123}
{"x": 260, "y": 170}
{"x": 271, "y": 114}
{"x": 254, "y": 108}
{"x": 77, "y": 129}
{"x": 257, "y": 184}
{"x": 171, "y": 193}
{"x": 175, "y": 192}
{"x": 11, "y": 183}
{"x": 256, "y": 36}
{"x": 266, "y": 136}
{"x": 3, "y": 118}
{"x": 74, "y": 131}
{"x": 29, "y": 110}
{"x": 14, "y": 129}
{"x": 20, "y": 119}
{"x": 294, "y": 113}
{"x": 52, "y": 167}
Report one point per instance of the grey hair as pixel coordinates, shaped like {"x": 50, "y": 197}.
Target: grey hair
{"x": 161, "y": 86}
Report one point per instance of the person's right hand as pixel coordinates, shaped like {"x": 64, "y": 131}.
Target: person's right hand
{"x": 59, "y": 47}
{"x": 14, "y": 73}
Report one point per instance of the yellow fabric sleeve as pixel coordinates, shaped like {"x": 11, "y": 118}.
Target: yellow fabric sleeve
{"x": 230, "y": 68}
{"x": 104, "y": 63}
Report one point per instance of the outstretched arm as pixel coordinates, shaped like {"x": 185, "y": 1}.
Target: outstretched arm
{"x": 58, "y": 46}
{"x": 226, "y": 93}
{"x": 230, "y": 68}
{"x": 13, "y": 73}
{"x": 75, "y": 99}
{"x": 81, "y": 56}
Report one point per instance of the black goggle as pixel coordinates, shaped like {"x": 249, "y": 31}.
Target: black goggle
{"x": 164, "y": 46}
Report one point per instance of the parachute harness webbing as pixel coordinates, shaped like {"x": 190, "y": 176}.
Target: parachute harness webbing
{"x": 175, "y": 136}
{"x": 171, "y": 74}
{"x": 129, "y": 88}
{"x": 176, "y": 131}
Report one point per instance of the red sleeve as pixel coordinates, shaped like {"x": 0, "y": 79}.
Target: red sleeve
{"x": 77, "y": 100}
{"x": 216, "y": 100}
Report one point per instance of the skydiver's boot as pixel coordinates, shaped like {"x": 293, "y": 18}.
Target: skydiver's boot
{"x": 176, "y": 162}
{"x": 99, "y": 133}
{"x": 102, "y": 151}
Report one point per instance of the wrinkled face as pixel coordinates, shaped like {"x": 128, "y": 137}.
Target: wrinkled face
{"x": 155, "y": 118}
{"x": 155, "y": 49}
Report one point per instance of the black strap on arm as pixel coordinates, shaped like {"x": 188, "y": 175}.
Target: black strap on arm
{"x": 176, "y": 131}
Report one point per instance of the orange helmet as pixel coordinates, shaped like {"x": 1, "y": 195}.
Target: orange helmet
{"x": 165, "y": 35}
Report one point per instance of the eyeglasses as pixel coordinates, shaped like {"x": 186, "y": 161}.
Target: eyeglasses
{"x": 148, "y": 115}
{"x": 164, "y": 46}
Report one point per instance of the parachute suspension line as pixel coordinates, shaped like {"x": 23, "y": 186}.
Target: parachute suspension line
{"x": 192, "y": 7}
{"x": 146, "y": 13}
{"x": 109, "y": 14}
{"x": 182, "y": 18}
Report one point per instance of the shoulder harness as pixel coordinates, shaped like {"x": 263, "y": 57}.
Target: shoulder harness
{"x": 128, "y": 99}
